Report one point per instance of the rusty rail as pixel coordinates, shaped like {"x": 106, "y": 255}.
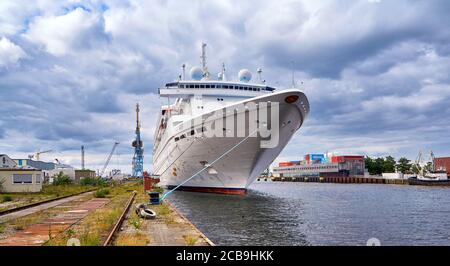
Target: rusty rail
{"x": 119, "y": 222}
{"x": 20, "y": 208}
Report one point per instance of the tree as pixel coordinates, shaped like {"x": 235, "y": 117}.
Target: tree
{"x": 378, "y": 167}
{"x": 61, "y": 179}
{"x": 369, "y": 164}
{"x": 403, "y": 165}
{"x": 389, "y": 165}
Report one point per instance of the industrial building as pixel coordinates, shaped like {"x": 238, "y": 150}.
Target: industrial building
{"x": 442, "y": 164}
{"x": 15, "y": 178}
{"x": 323, "y": 166}
{"x": 80, "y": 174}
{"x": 48, "y": 169}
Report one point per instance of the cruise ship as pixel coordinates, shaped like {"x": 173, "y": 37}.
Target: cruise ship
{"x": 256, "y": 121}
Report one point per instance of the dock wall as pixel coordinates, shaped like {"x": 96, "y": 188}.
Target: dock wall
{"x": 342, "y": 180}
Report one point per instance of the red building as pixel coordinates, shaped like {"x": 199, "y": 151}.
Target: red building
{"x": 354, "y": 164}
{"x": 341, "y": 159}
{"x": 442, "y": 163}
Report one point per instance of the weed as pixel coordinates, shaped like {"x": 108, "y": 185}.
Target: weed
{"x": 19, "y": 227}
{"x": 93, "y": 181}
{"x": 70, "y": 232}
{"x": 135, "y": 221}
{"x": 90, "y": 239}
{"x": 136, "y": 239}
{"x": 102, "y": 193}
{"x": 6, "y": 198}
{"x": 190, "y": 240}
{"x": 61, "y": 179}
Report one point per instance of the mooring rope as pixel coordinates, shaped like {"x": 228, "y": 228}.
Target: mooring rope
{"x": 209, "y": 165}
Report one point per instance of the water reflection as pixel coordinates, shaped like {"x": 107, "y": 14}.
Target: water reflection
{"x": 255, "y": 219}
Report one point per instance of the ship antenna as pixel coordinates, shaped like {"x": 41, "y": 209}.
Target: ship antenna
{"x": 184, "y": 71}
{"x": 259, "y": 70}
{"x": 203, "y": 57}
{"x": 223, "y": 72}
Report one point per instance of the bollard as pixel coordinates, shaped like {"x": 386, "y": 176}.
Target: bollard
{"x": 154, "y": 198}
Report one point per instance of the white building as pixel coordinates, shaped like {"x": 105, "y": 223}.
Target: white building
{"x": 15, "y": 179}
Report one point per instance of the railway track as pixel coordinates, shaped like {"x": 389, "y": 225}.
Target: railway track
{"x": 109, "y": 240}
{"x": 35, "y": 204}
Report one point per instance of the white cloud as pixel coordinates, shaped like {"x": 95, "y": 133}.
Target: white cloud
{"x": 10, "y": 53}
{"x": 63, "y": 34}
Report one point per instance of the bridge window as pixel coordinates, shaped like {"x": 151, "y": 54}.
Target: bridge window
{"x": 181, "y": 86}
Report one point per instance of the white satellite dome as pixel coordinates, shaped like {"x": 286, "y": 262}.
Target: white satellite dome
{"x": 196, "y": 73}
{"x": 245, "y": 75}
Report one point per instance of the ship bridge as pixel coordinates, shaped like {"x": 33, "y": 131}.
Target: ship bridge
{"x": 213, "y": 88}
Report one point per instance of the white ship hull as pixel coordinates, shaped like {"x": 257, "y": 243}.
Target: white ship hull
{"x": 232, "y": 174}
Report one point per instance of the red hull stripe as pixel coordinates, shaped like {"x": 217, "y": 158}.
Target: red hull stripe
{"x": 229, "y": 191}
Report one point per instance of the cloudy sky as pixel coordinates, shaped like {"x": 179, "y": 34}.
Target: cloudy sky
{"x": 377, "y": 72}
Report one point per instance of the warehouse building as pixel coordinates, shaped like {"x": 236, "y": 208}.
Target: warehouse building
{"x": 442, "y": 164}
{"x": 48, "y": 169}
{"x": 335, "y": 166}
{"x": 80, "y": 174}
{"x": 16, "y": 179}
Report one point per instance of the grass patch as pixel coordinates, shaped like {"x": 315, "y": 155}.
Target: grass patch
{"x": 102, "y": 193}
{"x": 6, "y": 198}
{"x": 135, "y": 221}
{"x": 48, "y": 192}
{"x": 24, "y": 222}
{"x": 190, "y": 240}
{"x": 132, "y": 239}
{"x": 93, "y": 181}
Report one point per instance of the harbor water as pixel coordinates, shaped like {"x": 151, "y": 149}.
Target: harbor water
{"x": 277, "y": 213}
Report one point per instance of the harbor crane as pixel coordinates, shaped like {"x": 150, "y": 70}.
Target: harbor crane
{"x": 109, "y": 158}
{"x": 138, "y": 145}
{"x": 36, "y": 155}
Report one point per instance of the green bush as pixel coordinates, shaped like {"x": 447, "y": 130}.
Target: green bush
{"x": 101, "y": 193}
{"x": 93, "y": 181}
{"x": 88, "y": 181}
{"x": 6, "y": 198}
{"x": 61, "y": 179}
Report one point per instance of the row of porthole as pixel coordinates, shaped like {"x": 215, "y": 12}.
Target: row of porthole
{"x": 192, "y": 133}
